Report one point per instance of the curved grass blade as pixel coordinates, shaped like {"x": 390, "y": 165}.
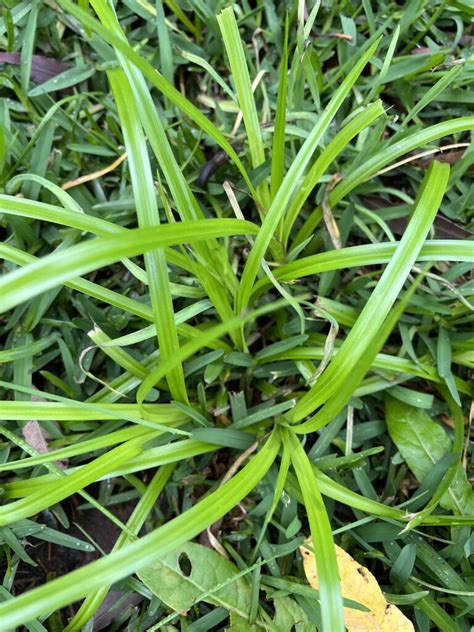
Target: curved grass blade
{"x": 341, "y": 493}
{"x": 84, "y": 447}
{"x": 188, "y": 349}
{"x": 433, "y": 92}
{"x": 365, "y": 331}
{"x": 328, "y": 155}
{"x": 50, "y": 213}
{"x": 65, "y": 487}
{"x": 148, "y": 217}
{"x": 134, "y": 524}
{"x": 332, "y": 612}
{"x": 54, "y": 269}
{"x": 291, "y": 181}
{"x": 160, "y": 82}
{"x": 388, "y": 153}
{"x": 132, "y": 557}
{"x": 360, "y": 256}
{"x": 151, "y": 458}
{"x": 213, "y": 255}
{"x": 382, "y": 361}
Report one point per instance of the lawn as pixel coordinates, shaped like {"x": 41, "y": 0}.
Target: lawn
{"x": 236, "y": 330}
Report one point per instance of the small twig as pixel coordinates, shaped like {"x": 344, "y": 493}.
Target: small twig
{"x": 342, "y": 36}
{"x": 468, "y": 435}
{"x": 455, "y": 62}
{"x": 428, "y": 152}
{"x": 238, "y": 462}
{"x": 96, "y": 174}
{"x": 328, "y": 217}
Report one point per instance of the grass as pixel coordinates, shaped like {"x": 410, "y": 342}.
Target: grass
{"x": 245, "y": 358}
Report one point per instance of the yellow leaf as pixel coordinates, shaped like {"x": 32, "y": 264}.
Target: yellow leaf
{"x": 358, "y": 584}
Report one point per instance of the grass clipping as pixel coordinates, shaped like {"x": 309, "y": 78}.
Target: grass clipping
{"x": 358, "y": 584}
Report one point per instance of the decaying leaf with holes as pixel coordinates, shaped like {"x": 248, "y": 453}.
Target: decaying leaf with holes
{"x": 358, "y": 584}
{"x": 193, "y": 573}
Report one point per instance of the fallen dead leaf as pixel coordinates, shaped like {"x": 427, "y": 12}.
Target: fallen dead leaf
{"x": 36, "y": 436}
{"x": 42, "y": 68}
{"x": 328, "y": 217}
{"x": 358, "y": 584}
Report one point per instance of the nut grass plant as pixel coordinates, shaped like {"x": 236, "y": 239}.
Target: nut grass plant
{"x": 184, "y": 347}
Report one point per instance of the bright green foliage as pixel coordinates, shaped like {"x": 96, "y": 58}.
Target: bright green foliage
{"x": 235, "y": 308}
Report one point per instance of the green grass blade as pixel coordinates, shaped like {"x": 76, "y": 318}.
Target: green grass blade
{"x": 69, "y": 410}
{"x": 241, "y": 77}
{"x": 192, "y": 346}
{"x": 325, "y": 553}
{"x": 84, "y": 447}
{"x": 203, "y": 63}
{"x": 28, "y": 46}
{"x": 291, "y": 181}
{"x": 54, "y": 269}
{"x": 139, "y": 94}
{"x": 347, "y": 389}
{"x": 367, "y": 327}
{"x": 65, "y": 487}
{"x": 142, "y": 510}
{"x": 385, "y": 66}
{"x": 342, "y": 494}
{"x": 328, "y": 155}
{"x": 148, "y": 216}
{"x": 433, "y": 92}
{"x": 160, "y": 82}
{"x": 166, "y": 53}
{"x": 391, "y": 152}
{"x": 278, "y": 146}
{"x": 360, "y": 256}
{"x": 388, "y": 153}
{"x": 132, "y": 557}
{"x": 213, "y": 255}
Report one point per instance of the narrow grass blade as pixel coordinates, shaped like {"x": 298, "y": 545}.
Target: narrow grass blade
{"x": 212, "y": 255}
{"x": 64, "y": 265}
{"x": 335, "y": 404}
{"x": 142, "y": 510}
{"x": 241, "y": 77}
{"x": 433, "y": 92}
{"x": 132, "y": 557}
{"x": 340, "y": 493}
{"x": 65, "y": 487}
{"x": 192, "y": 346}
{"x": 160, "y": 82}
{"x": 332, "y": 612}
{"x": 360, "y": 256}
{"x": 84, "y": 447}
{"x": 367, "y": 327}
{"x": 28, "y": 46}
{"x": 291, "y": 181}
{"x": 278, "y": 145}
{"x": 148, "y": 216}
{"x": 328, "y": 155}
{"x": 388, "y": 153}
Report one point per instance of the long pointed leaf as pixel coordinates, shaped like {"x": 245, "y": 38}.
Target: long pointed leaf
{"x": 325, "y": 553}
{"x": 54, "y": 269}
{"x": 291, "y": 181}
{"x": 377, "y": 308}
{"x": 131, "y": 558}
{"x": 148, "y": 216}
